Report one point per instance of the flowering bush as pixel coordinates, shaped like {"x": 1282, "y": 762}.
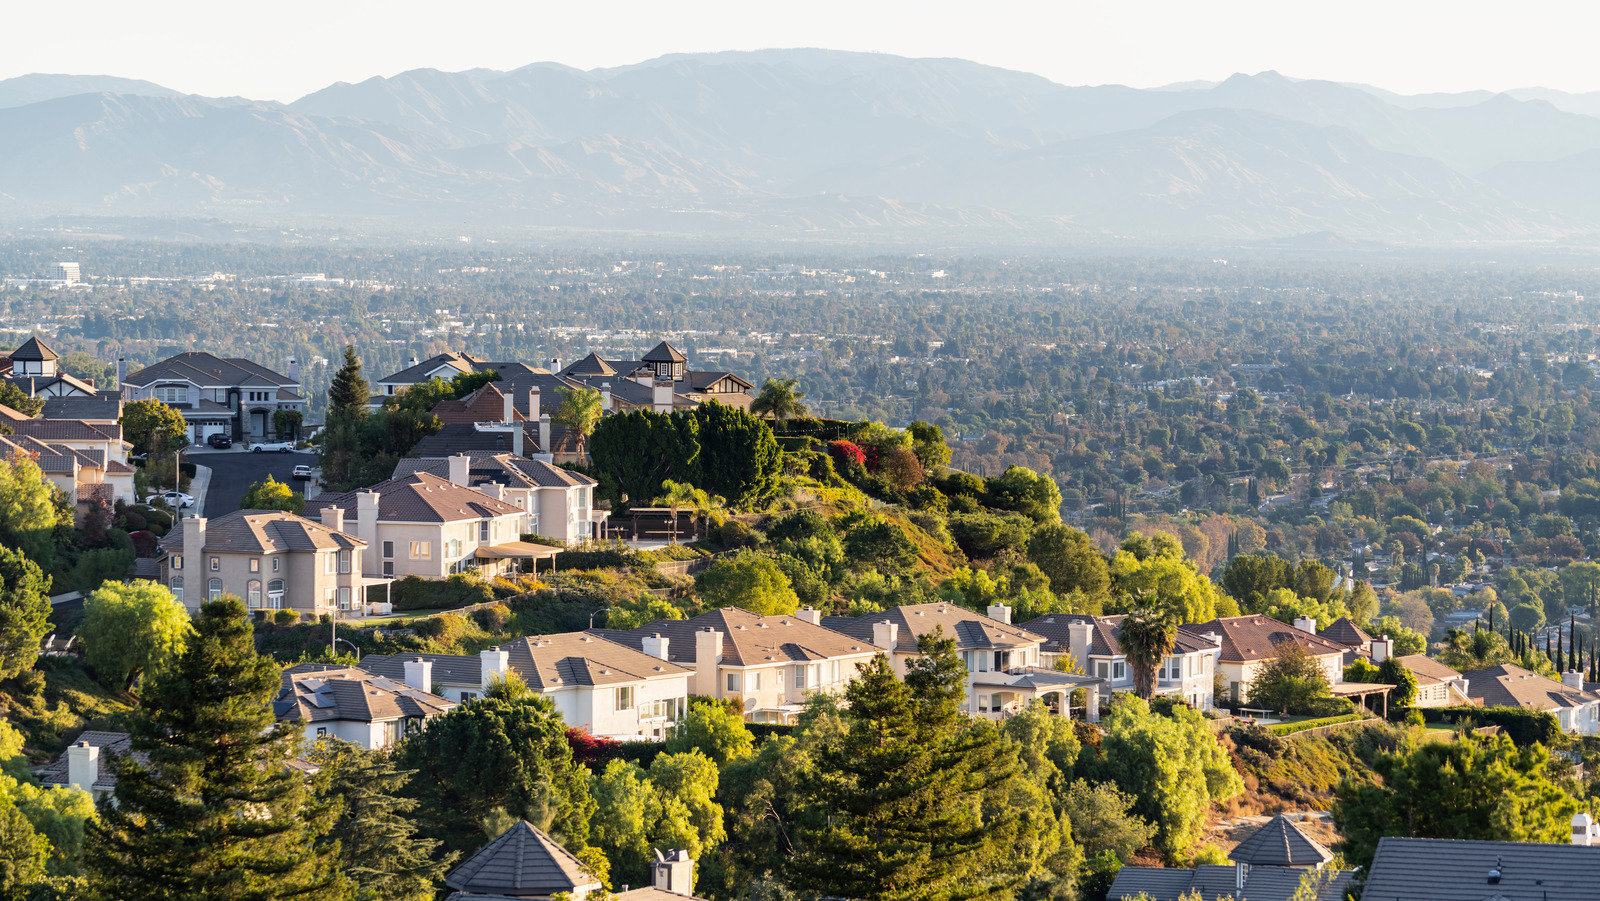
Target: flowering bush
{"x": 844, "y": 451}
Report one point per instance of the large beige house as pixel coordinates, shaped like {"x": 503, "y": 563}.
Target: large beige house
{"x": 1437, "y": 685}
{"x": 86, "y": 460}
{"x": 431, "y": 527}
{"x": 1188, "y": 673}
{"x": 344, "y": 702}
{"x": 769, "y": 664}
{"x": 559, "y": 502}
{"x": 1248, "y": 642}
{"x": 1508, "y": 685}
{"x": 603, "y": 687}
{"x": 233, "y": 396}
{"x": 271, "y": 559}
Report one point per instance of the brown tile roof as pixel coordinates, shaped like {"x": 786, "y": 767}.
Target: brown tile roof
{"x": 1246, "y": 639}
{"x": 318, "y": 693}
{"x": 487, "y": 404}
{"x": 9, "y": 415}
{"x": 748, "y": 639}
{"x": 969, "y": 628}
{"x": 1428, "y": 670}
{"x": 264, "y": 532}
{"x": 1508, "y": 685}
{"x": 1103, "y": 637}
{"x": 1344, "y": 631}
{"x": 420, "y": 497}
{"x": 550, "y": 662}
{"x": 522, "y": 863}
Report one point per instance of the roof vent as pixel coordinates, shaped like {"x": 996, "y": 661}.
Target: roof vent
{"x": 1494, "y": 873}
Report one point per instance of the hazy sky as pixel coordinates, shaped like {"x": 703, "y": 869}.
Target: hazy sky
{"x": 282, "y": 49}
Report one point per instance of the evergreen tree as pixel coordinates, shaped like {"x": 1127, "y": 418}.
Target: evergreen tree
{"x": 213, "y": 813}
{"x": 378, "y": 848}
{"x": 349, "y": 393}
{"x": 24, "y": 612}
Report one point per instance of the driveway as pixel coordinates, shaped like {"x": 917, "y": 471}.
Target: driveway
{"x": 232, "y": 474}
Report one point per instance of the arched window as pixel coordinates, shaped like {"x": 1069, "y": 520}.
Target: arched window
{"x": 214, "y": 590}
{"x": 275, "y": 594}
{"x": 177, "y": 587}
{"x": 253, "y": 593}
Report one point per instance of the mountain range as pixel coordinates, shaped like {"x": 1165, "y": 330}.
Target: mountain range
{"x": 795, "y": 141}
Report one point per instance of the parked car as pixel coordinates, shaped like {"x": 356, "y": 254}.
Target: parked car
{"x": 174, "y": 499}
{"x": 219, "y": 440}
{"x": 280, "y": 447}
{"x": 302, "y": 472}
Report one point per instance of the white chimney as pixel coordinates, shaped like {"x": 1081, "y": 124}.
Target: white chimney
{"x": 886, "y": 635}
{"x": 419, "y": 674}
{"x": 1585, "y": 831}
{"x": 1306, "y": 624}
{"x": 544, "y": 434}
{"x": 508, "y": 407}
{"x": 1572, "y": 679}
{"x": 367, "y": 519}
{"x": 1078, "y": 633}
{"x": 414, "y": 361}
{"x": 809, "y": 615}
{"x": 707, "y": 656}
{"x": 1382, "y": 649}
{"x": 492, "y": 664}
{"x": 194, "y": 548}
{"x": 661, "y": 396}
{"x": 83, "y": 766}
{"x": 673, "y": 873}
{"x": 605, "y": 396}
{"x": 460, "y": 464}
{"x": 533, "y": 403}
{"x": 1000, "y": 612}
{"x": 1212, "y": 637}
{"x": 516, "y": 438}
{"x": 333, "y": 517}
{"x": 656, "y": 646}
{"x": 294, "y": 370}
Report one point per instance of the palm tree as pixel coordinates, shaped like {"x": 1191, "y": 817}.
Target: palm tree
{"x": 1146, "y": 638}
{"x": 780, "y": 399}
{"x": 580, "y": 412}
{"x": 676, "y": 496}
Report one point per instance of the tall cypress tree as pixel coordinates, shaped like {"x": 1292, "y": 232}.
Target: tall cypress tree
{"x": 349, "y": 393}
{"x": 213, "y": 813}
{"x": 378, "y": 848}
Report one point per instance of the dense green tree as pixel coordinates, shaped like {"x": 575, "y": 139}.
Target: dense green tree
{"x": 272, "y": 494}
{"x": 927, "y": 441}
{"x": 379, "y": 850}
{"x": 1025, "y": 491}
{"x": 1406, "y": 641}
{"x": 716, "y": 731}
{"x": 634, "y": 453}
{"x": 23, "y": 852}
{"x": 579, "y": 412}
{"x": 1392, "y": 672}
{"x": 152, "y": 427}
{"x": 24, "y": 612}
{"x": 349, "y": 393}
{"x": 1071, "y": 561}
{"x": 749, "y": 580}
{"x": 1290, "y": 680}
{"x": 214, "y": 811}
{"x": 881, "y": 544}
{"x": 739, "y": 458}
{"x": 14, "y": 397}
{"x": 1362, "y": 602}
{"x": 1249, "y": 575}
{"x": 1103, "y": 820}
{"x": 132, "y": 629}
{"x": 1168, "y": 582}
{"x": 30, "y": 509}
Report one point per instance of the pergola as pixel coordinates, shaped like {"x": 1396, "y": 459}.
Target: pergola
{"x": 520, "y": 550}
{"x": 1361, "y": 690}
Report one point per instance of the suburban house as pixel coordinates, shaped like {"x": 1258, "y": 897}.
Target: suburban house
{"x": 1437, "y": 685}
{"x": 603, "y": 687}
{"x": 87, "y": 460}
{"x": 1509, "y": 685}
{"x": 1248, "y": 642}
{"x": 454, "y": 677}
{"x": 1433, "y": 869}
{"x": 1344, "y": 631}
{"x": 235, "y": 397}
{"x": 33, "y": 368}
{"x": 769, "y": 664}
{"x": 272, "y": 559}
{"x": 444, "y": 366}
{"x": 1188, "y": 673}
{"x": 525, "y": 864}
{"x": 1005, "y": 663}
{"x": 1269, "y": 865}
{"x": 355, "y": 705}
{"x": 427, "y": 526}
{"x": 662, "y": 369}
{"x": 84, "y": 764}
{"x": 559, "y": 502}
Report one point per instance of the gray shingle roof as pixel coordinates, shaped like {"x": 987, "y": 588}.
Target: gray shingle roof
{"x": 1428, "y": 670}
{"x": 664, "y": 353}
{"x": 264, "y": 532}
{"x": 108, "y": 742}
{"x": 522, "y": 863}
{"x": 103, "y": 406}
{"x": 1344, "y": 631}
{"x": 1431, "y": 869}
{"x": 208, "y": 370}
{"x": 413, "y": 374}
{"x": 549, "y": 662}
{"x": 34, "y": 351}
{"x": 448, "y": 669}
{"x": 748, "y": 639}
{"x": 1219, "y": 883}
{"x": 969, "y": 628}
{"x": 1280, "y": 843}
{"x": 465, "y": 438}
{"x": 1508, "y": 685}
{"x": 321, "y": 693}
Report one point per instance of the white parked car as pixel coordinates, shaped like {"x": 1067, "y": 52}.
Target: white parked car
{"x": 302, "y": 473}
{"x": 281, "y": 447}
{"x": 174, "y": 499}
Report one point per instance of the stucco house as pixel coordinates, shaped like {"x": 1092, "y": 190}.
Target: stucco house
{"x": 1508, "y": 685}
{"x": 1437, "y": 685}
{"x": 34, "y": 369}
{"x": 769, "y": 664}
{"x": 86, "y": 460}
{"x": 350, "y": 703}
{"x": 1248, "y": 642}
{"x": 606, "y": 688}
{"x": 272, "y": 559}
{"x": 85, "y": 764}
{"x": 559, "y": 502}
{"x": 1188, "y": 673}
{"x": 431, "y": 527}
{"x": 232, "y": 396}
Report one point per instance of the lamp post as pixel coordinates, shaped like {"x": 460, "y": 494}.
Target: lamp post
{"x": 593, "y": 612}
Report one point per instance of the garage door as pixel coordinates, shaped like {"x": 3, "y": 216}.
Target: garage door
{"x": 206, "y": 431}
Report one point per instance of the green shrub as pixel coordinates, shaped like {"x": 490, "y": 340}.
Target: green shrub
{"x": 286, "y": 617}
{"x": 446, "y": 629}
{"x": 531, "y": 538}
{"x": 493, "y": 619}
{"x": 415, "y": 593}
{"x": 1525, "y": 727}
{"x": 1303, "y": 725}
{"x": 1326, "y": 707}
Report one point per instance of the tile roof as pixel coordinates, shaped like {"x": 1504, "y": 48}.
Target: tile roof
{"x": 1054, "y": 627}
{"x": 652, "y": 894}
{"x": 503, "y": 469}
{"x": 466, "y": 438}
{"x": 664, "y": 353}
{"x": 1508, "y": 685}
{"x": 1280, "y": 843}
{"x": 317, "y": 693}
{"x": 67, "y": 430}
{"x": 1246, "y": 639}
{"x": 551, "y": 662}
{"x": 9, "y": 415}
{"x": 448, "y": 669}
{"x": 414, "y": 374}
{"x": 1344, "y": 631}
{"x": 104, "y": 406}
{"x": 35, "y": 385}
{"x": 420, "y": 497}
{"x": 1428, "y": 670}
{"x": 1215, "y": 883}
{"x": 486, "y": 404}
{"x": 264, "y": 532}
{"x": 969, "y": 628}
{"x": 522, "y": 863}
{"x": 1431, "y": 869}
{"x": 208, "y": 370}
{"x": 34, "y": 351}
{"x": 591, "y": 365}
{"x": 58, "y": 772}
{"x": 748, "y": 639}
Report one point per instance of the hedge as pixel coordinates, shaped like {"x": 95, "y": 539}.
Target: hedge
{"x": 1525, "y": 727}
{"x": 1303, "y": 725}
{"x": 763, "y": 731}
{"x": 415, "y": 593}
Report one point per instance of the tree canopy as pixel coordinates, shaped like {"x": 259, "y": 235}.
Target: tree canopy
{"x": 271, "y": 494}
{"x": 133, "y": 629}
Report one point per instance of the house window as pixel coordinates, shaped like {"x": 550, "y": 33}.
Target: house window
{"x": 255, "y": 564}
{"x": 344, "y": 599}
{"x": 275, "y": 594}
{"x": 274, "y": 564}
{"x": 421, "y": 550}
{"x": 177, "y": 588}
{"x": 327, "y": 563}
{"x": 388, "y": 550}
{"x": 177, "y": 562}
{"x": 216, "y": 564}
{"x": 344, "y": 561}
{"x": 1117, "y": 671}
{"x": 734, "y": 682}
{"x": 178, "y": 395}
{"x": 755, "y": 681}
{"x": 322, "y": 731}
{"x": 799, "y": 677}
{"x": 483, "y": 530}
{"x": 966, "y": 660}
{"x": 625, "y": 698}
{"x": 253, "y": 592}
{"x": 388, "y": 567}
{"x": 1102, "y": 670}
{"x": 214, "y": 590}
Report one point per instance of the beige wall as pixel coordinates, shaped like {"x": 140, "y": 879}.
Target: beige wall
{"x": 1245, "y": 673}
{"x": 777, "y": 682}
{"x": 304, "y": 573}
{"x": 437, "y": 563}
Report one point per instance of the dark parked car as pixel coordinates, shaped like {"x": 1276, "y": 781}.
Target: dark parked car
{"x": 219, "y": 440}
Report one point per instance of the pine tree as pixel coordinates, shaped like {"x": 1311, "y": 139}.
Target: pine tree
{"x": 349, "y": 393}
{"x": 378, "y": 848}
{"x": 214, "y": 813}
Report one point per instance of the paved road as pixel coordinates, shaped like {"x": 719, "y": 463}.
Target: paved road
{"x": 232, "y": 474}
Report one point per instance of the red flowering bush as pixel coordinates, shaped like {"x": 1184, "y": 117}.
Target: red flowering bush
{"x": 591, "y": 750}
{"x": 850, "y": 451}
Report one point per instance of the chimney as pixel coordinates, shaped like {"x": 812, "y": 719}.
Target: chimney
{"x": 809, "y": 615}
{"x": 122, "y": 371}
{"x": 508, "y": 407}
{"x": 494, "y": 490}
{"x": 294, "y": 370}
{"x": 1382, "y": 648}
{"x": 656, "y": 646}
{"x": 419, "y": 674}
{"x": 885, "y": 635}
{"x": 367, "y": 520}
{"x": 333, "y": 517}
{"x": 1305, "y": 624}
{"x": 1585, "y": 831}
{"x": 1000, "y": 612}
{"x": 673, "y": 873}
{"x": 83, "y": 766}
{"x": 707, "y": 655}
{"x": 544, "y": 434}
{"x": 517, "y": 432}
{"x": 1078, "y": 633}
{"x": 194, "y": 549}
{"x": 1212, "y": 637}
{"x": 1572, "y": 679}
{"x": 492, "y": 664}
{"x": 413, "y": 361}
{"x": 605, "y": 396}
{"x": 459, "y": 466}
{"x": 533, "y": 403}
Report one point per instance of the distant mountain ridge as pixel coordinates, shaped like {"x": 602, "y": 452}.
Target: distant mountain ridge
{"x": 817, "y": 139}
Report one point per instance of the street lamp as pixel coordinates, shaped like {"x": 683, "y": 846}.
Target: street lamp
{"x": 593, "y": 612}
